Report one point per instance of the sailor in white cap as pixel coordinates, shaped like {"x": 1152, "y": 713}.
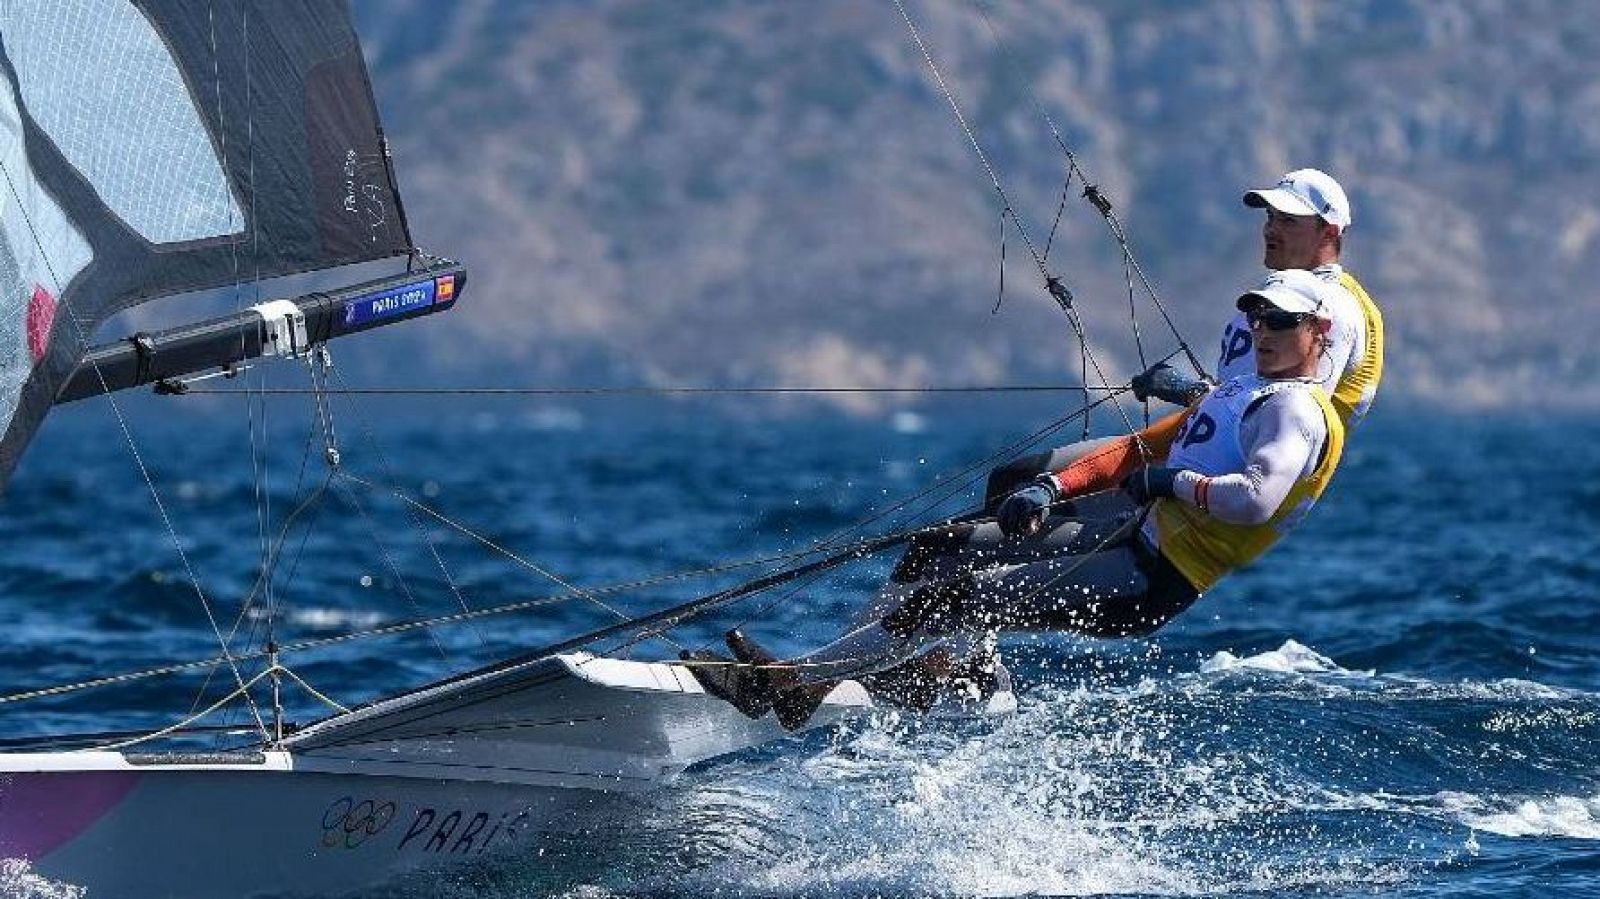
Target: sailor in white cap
{"x": 1307, "y": 215}
{"x": 1243, "y": 468}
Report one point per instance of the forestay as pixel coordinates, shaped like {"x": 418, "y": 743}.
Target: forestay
{"x": 168, "y": 147}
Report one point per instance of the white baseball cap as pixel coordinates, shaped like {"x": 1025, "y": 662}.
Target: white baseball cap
{"x": 1292, "y": 290}
{"x": 1305, "y": 192}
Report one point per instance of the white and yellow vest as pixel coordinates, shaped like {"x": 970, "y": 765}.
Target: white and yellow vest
{"x": 1353, "y": 395}
{"x": 1204, "y": 548}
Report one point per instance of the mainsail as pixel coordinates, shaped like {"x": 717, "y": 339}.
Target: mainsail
{"x": 171, "y": 146}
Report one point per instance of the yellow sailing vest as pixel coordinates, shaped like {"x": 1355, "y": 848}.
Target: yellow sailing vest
{"x": 1203, "y": 548}
{"x": 1353, "y": 395}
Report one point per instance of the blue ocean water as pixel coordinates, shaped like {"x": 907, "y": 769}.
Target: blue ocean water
{"x": 1403, "y": 699}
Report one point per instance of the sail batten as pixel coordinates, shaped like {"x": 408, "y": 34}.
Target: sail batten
{"x": 166, "y": 147}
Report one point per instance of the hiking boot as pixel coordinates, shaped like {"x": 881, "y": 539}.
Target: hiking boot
{"x": 728, "y": 680}
{"x": 914, "y": 685}
{"x": 776, "y": 676}
{"x": 796, "y": 705}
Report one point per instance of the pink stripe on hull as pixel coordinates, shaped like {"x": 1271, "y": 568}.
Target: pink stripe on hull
{"x": 42, "y": 811}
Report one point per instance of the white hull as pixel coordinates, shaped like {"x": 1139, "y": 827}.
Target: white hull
{"x": 211, "y": 833}
{"x": 444, "y": 775}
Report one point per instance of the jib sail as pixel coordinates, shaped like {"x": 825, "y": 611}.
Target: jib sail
{"x": 161, "y": 147}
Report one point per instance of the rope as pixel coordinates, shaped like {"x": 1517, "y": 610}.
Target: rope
{"x": 948, "y": 487}
{"x": 1120, "y": 532}
{"x": 1053, "y": 285}
{"x": 427, "y": 538}
{"x": 574, "y": 589}
{"x": 1091, "y": 192}
{"x": 216, "y": 706}
{"x": 637, "y": 391}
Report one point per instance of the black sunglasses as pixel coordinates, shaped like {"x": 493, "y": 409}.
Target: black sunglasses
{"x": 1276, "y": 319}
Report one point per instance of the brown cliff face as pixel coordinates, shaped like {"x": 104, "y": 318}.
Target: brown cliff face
{"x": 775, "y": 193}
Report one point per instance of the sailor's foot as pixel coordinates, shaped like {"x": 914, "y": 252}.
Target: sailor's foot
{"x": 742, "y": 687}
{"x": 915, "y": 684}
{"x": 793, "y": 701}
{"x": 773, "y": 672}
{"x": 796, "y": 705}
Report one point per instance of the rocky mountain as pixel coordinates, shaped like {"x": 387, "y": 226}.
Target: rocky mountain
{"x": 752, "y": 193}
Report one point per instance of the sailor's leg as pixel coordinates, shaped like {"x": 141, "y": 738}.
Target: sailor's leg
{"x": 1122, "y": 590}
{"x": 908, "y": 616}
{"x": 924, "y": 615}
{"x": 916, "y": 606}
{"x": 915, "y": 680}
{"x": 932, "y": 556}
{"x": 865, "y": 645}
{"x": 1006, "y": 479}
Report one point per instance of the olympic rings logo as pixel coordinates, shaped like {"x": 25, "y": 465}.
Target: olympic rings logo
{"x": 350, "y": 823}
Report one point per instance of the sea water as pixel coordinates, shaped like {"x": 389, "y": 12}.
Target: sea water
{"x": 1403, "y": 699}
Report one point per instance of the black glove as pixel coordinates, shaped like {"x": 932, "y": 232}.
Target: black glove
{"x": 1024, "y": 512}
{"x": 1150, "y": 483}
{"x": 1162, "y": 381}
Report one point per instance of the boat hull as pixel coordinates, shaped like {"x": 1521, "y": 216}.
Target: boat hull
{"x": 442, "y": 775}
{"x": 179, "y": 833}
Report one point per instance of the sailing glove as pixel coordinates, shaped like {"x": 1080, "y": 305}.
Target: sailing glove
{"x": 1162, "y": 381}
{"x": 1150, "y": 483}
{"x": 1024, "y": 512}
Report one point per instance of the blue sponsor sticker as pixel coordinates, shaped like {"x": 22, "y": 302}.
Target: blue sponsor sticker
{"x": 390, "y": 303}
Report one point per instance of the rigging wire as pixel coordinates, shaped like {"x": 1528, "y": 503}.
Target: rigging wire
{"x": 436, "y": 621}
{"x": 641, "y": 391}
{"x": 256, "y": 405}
{"x": 133, "y": 448}
{"x": 1091, "y": 192}
{"x": 679, "y": 615}
{"x": 1053, "y": 284}
{"x": 941, "y": 490}
{"x": 390, "y": 472}
{"x": 1122, "y": 531}
{"x": 356, "y": 506}
{"x": 540, "y": 570}
{"x": 311, "y": 500}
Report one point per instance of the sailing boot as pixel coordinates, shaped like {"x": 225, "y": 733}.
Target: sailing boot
{"x": 729, "y": 681}
{"x": 793, "y": 701}
{"x": 748, "y": 651}
{"x": 915, "y": 685}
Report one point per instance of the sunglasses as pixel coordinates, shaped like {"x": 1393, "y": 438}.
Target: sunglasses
{"x": 1276, "y": 319}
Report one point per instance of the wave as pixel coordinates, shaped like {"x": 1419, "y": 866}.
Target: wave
{"x": 1318, "y": 673}
{"x": 18, "y": 880}
{"x": 1509, "y": 815}
{"x": 1290, "y": 658}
